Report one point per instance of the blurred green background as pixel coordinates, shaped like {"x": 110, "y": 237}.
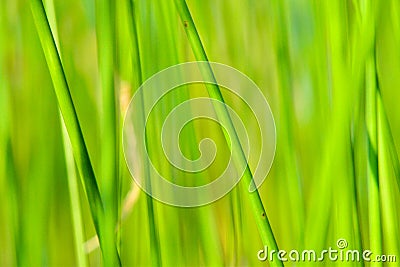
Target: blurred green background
{"x": 329, "y": 69}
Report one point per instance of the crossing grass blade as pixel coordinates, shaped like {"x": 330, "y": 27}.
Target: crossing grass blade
{"x": 68, "y": 111}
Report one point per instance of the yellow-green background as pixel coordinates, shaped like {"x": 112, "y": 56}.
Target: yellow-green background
{"x": 329, "y": 69}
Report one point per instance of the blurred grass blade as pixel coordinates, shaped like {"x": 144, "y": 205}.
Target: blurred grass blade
{"x": 105, "y": 33}
{"x": 372, "y": 160}
{"x": 153, "y": 231}
{"x": 8, "y": 188}
{"x": 387, "y": 177}
{"x": 74, "y": 199}
{"x": 291, "y": 175}
{"x": 387, "y": 137}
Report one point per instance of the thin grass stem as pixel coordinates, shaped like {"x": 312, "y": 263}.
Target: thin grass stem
{"x": 259, "y": 213}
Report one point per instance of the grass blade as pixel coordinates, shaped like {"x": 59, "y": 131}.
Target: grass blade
{"x": 74, "y": 200}
{"x": 214, "y": 92}
{"x": 69, "y": 114}
{"x": 153, "y": 231}
{"x": 372, "y": 165}
{"x": 105, "y": 27}
{"x": 387, "y": 177}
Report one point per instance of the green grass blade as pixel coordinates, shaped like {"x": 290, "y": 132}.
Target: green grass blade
{"x": 153, "y": 231}
{"x": 105, "y": 27}
{"x": 372, "y": 165}
{"x": 76, "y": 211}
{"x": 291, "y": 176}
{"x": 387, "y": 136}
{"x": 8, "y": 211}
{"x": 387, "y": 177}
{"x": 71, "y": 120}
{"x": 214, "y": 92}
